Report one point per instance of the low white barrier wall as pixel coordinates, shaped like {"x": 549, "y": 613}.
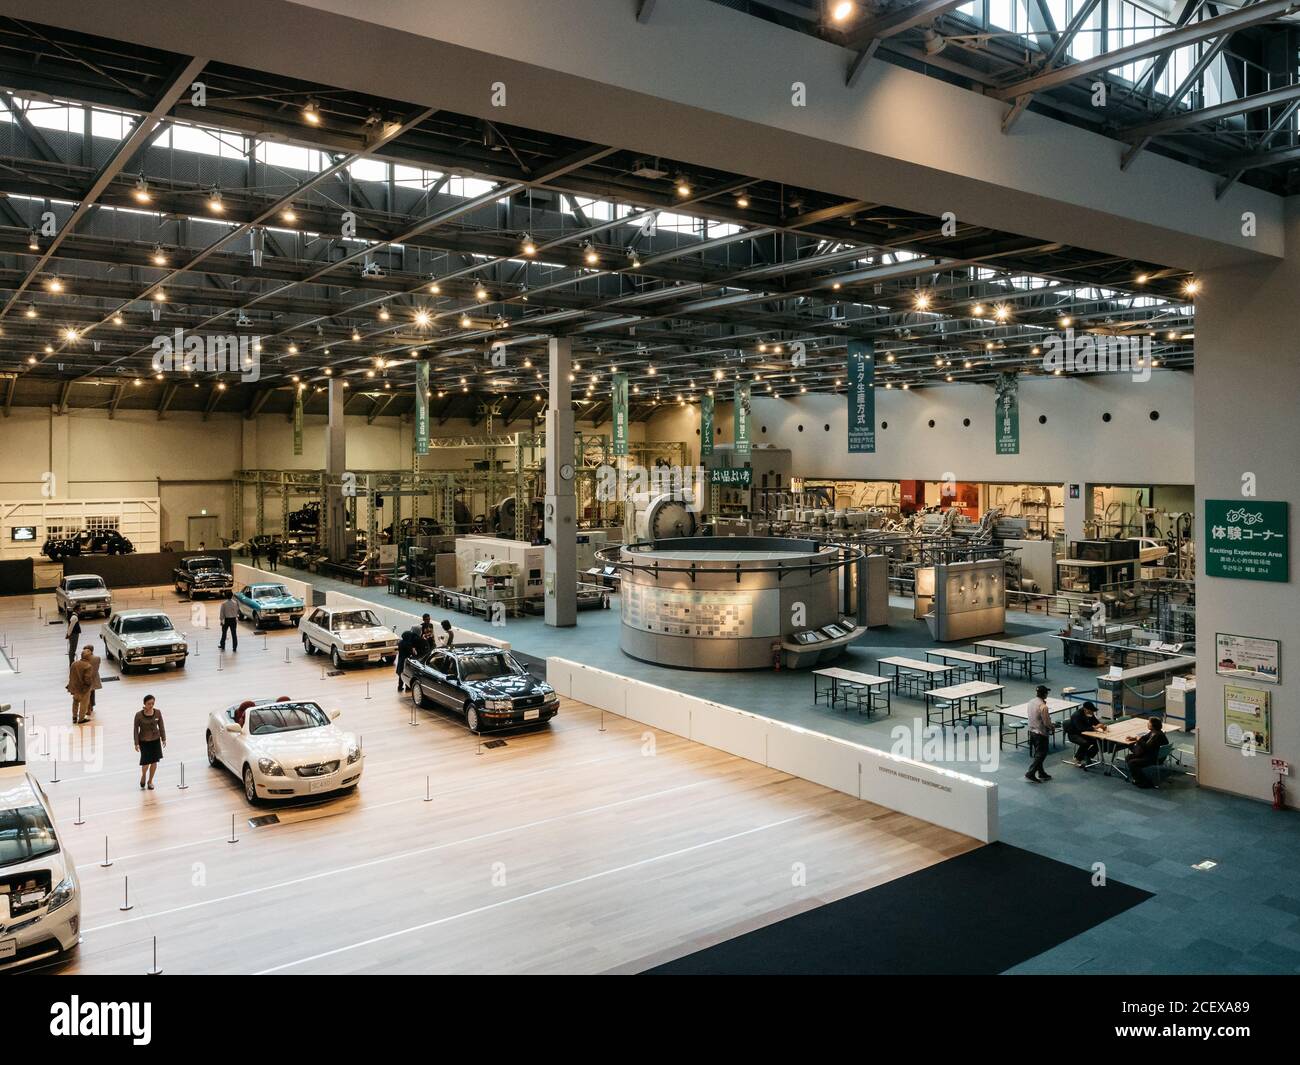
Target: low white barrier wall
{"x": 400, "y": 620}
{"x": 248, "y": 575}
{"x": 952, "y": 800}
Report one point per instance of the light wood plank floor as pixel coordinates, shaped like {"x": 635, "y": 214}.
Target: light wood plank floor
{"x": 568, "y": 850}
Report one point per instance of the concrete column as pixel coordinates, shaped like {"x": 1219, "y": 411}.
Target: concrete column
{"x": 1247, "y": 378}
{"x": 336, "y": 459}
{"x": 561, "y": 573}
{"x": 1078, "y": 510}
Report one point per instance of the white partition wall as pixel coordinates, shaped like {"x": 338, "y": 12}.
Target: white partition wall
{"x": 398, "y": 620}
{"x": 136, "y": 519}
{"x": 248, "y": 575}
{"x": 952, "y": 800}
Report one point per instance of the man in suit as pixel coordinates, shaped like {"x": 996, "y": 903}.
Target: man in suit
{"x": 81, "y": 682}
{"x": 1146, "y": 752}
{"x": 1083, "y": 719}
{"x": 72, "y": 634}
{"x": 88, "y": 653}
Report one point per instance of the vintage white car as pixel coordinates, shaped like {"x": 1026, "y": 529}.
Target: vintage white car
{"x": 284, "y": 748}
{"x": 1150, "y": 549}
{"x": 348, "y": 635}
{"x": 143, "y": 638}
{"x": 85, "y": 591}
{"x": 40, "y": 898}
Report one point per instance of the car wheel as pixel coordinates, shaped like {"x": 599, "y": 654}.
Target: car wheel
{"x": 417, "y": 693}
{"x": 212, "y": 752}
{"x": 307, "y": 646}
{"x": 180, "y": 664}
{"x": 250, "y": 787}
{"x": 472, "y": 721}
{"x": 336, "y": 658}
{"x": 179, "y": 590}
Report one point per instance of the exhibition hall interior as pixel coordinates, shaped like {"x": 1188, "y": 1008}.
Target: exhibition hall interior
{"x": 680, "y": 487}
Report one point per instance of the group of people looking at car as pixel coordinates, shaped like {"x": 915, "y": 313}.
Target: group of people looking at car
{"x": 419, "y": 640}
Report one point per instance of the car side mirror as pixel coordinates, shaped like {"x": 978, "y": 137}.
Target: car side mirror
{"x": 235, "y": 727}
{"x": 335, "y": 714}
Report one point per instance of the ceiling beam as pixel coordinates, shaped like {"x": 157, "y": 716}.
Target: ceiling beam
{"x": 1228, "y": 109}
{"x": 168, "y": 394}
{"x": 866, "y": 39}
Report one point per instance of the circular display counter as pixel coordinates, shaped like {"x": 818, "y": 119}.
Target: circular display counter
{"x": 707, "y": 602}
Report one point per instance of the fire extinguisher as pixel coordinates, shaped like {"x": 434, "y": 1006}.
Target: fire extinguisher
{"x": 1279, "y": 794}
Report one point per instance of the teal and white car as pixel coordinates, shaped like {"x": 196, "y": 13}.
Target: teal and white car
{"x": 269, "y": 603}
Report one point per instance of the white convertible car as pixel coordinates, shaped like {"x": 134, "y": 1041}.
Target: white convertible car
{"x": 283, "y": 749}
{"x": 348, "y": 635}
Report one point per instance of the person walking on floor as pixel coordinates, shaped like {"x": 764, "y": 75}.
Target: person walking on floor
{"x": 406, "y": 646}
{"x": 150, "y": 739}
{"x": 1146, "y": 752}
{"x": 273, "y": 556}
{"x": 255, "y": 553}
{"x": 228, "y": 613}
{"x": 72, "y": 633}
{"x": 88, "y": 653}
{"x": 1040, "y": 731}
{"x": 81, "y": 682}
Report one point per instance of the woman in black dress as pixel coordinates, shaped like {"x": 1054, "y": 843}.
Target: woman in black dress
{"x": 150, "y": 739}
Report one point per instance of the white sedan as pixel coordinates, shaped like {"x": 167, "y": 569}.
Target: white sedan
{"x": 284, "y": 749}
{"x": 347, "y": 635}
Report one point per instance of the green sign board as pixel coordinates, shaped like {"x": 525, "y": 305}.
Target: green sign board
{"x": 422, "y": 407}
{"x": 1247, "y": 539}
{"x": 741, "y": 413}
{"x": 297, "y": 420}
{"x": 618, "y": 397}
{"x": 706, "y": 425}
{"x": 862, "y": 396}
{"x": 732, "y": 476}
{"x": 1006, "y": 419}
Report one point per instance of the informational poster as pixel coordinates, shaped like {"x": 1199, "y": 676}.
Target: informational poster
{"x": 706, "y": 425}
{"x": 1006, "y": 421}
{"x": 297, "y": 421}
{"x": 422, "y": 407}
{"x": 618, "y": 401}
{"x": 1247, "y": 714}
{"x": 862, "y": 396}
{"x": 1247, "y": 539}
{"x": 1246, "y": 657}
{"x": 741, "y": 418}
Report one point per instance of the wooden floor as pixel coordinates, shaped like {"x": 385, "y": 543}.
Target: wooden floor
{"x": 567, "y": 850}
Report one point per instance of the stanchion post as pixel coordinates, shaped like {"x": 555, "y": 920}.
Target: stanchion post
{"x": 55, "y": 779}
{"x": 428, "y": 795}
{"x": 106, "y": 863}
{"x": 155, "y": 971}
{"x": 233, "y": 838}
{"x": 79, "y": 820}
{"x": 126, "y": 895}
{"x": 182, "y": 786}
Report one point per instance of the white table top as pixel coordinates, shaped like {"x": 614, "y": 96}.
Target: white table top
{"x": 1054, "y": 706}
{"x": 836, "y": 673}
{"x": 970, "y": 689}
{"x": 1003, "y": 645}
{"x": 966, "y": 656}
{"x": 912, "y": 663}
{"x": 1126, "y": 732}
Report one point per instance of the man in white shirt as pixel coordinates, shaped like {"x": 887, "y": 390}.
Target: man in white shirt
{"x": 229, "y": 615}
{"x": 1040, "y": 731}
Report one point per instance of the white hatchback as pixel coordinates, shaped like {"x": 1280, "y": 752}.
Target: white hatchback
{"x": 348, "y": 635}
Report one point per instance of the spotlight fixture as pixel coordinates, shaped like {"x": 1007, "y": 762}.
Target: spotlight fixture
{"x": 633, "y": 258}
{"x": 921, "y": 301}
{"x": 293, "y": 349}
{"x": 159, "y": 257}
{"x": 1065, "y": 321}
{"x": 435, "y": 288}
{"x": 31, "y": 359}
{"x": 383, "y": 312}
{"x": 1001, "y": 312}
{"x": 842, "y": 10}
{"x": 356, "y": 335}
{"x": 215, "y": 203}
{"x": 117, "y": 319}
{"x": 978, "y": 310}
{"x": 160, "y": 296}
{"x": 589, "y": 253}
{"x": 32, "y": 243}
{"x": 527, "y": 246}
{"x": 70, "y": 334}
{"x": 289, "y": 214}
{"x": 141, "y": 191}
{"x": 742, "y": 201}
{"x": 465, "y": 321}
{"x": 1191, "y": 286}
{"x": 31, "y": 310}
{"x": 480, "y": 294}
{"x": 422, "y": 318}
{"x": 54, "y": 285}
{"x": 311, "y": 112}
{"x": 683, "y": 186}
{"x": 329, "y": 371}
{"x": 1142, "y": 279}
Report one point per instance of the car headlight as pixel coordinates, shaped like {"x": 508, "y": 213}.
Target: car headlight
{"x": 178, "y": 647}
{"x": 64, "y": 892}
{"x": 270, "y": 767}
{"x": 498, "y": 704}
{"x": 551, "y": 697}
{"x": 354, "y": 754}
{"x": 134, "y": 652}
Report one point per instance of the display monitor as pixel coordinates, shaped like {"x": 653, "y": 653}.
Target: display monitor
{"x": 23, "y": 532}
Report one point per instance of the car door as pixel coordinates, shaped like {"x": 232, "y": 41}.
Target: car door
{"x": 61, "y": 594}
{"x": 449, "y": 688}
{"x": 318, "y": 628}
{"x": 111, "y": 642}
{"x": 242, "y": 600}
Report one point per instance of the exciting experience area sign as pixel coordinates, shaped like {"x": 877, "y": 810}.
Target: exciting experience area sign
{"x": 1247, "y": 539}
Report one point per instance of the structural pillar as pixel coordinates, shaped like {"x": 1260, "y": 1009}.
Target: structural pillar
{"x": 336, "y": 459}
{"x": 561, "y": 518}
{"x": 1248, "y": 451}
{"x": 1078, "y": 510}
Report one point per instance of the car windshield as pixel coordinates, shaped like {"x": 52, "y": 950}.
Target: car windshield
{"x": 487, "y": 666}
{"x": 25, "y": 829}
{"x": 354, "y": 619}
{"x": 197, "y": 564}
{"x": 154, "y": 623}
{"x": 285, "y": 717}
{"x": 270, "y": 591}
{"x": 81, "y": 584}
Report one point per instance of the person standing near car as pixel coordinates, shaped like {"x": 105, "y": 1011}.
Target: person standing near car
{"x": 228, "y": 612}
{"x": 81, "y": 682}
{"x": 444, "y": 636}
{"x": 255, "y": 553}
{"x": 72, "y": 633}
{"x": 273, "y": 556}
{"x": 406, "y": 646}
{"x": 150, "y": 738}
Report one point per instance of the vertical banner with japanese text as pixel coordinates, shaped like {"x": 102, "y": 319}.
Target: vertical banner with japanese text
{"x": 618, "y": 399}
{"x": 422, "y": 407}
{"x": 862, "y": 396}
{"x": 706, "y": 425}
{"x": 1006, "y": 422}
{"x": 741, "y": 421}
{"x": 297, "y": 421}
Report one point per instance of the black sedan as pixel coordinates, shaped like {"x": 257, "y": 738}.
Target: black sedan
{"x": 484, "y": 683}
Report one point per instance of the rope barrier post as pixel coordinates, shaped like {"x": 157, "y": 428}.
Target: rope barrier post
{"x": 105, "y": 863}
{"x": 155, "y": 971}
{"x": 233, "y": 838}
{"x": 428, "y": 795}
{"x": 126, "y": 895}
{"x": 55, "y": 779}
{"x": 182, "y": 786}
{"x": 79, "y": 820}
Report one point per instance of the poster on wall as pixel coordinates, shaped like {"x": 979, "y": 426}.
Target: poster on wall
{"x": 297, "y": 421}
{"x": 618, "y": 398}
{"x": 706, "y": 425}
{"x": 1246, "y": 718}
{"x": 1247, "y": 539}
{"x": 1246, "y": 657}
{"x": 422, "y": 407}
{"x": 862, "y": 396}
{"x": 741, "y": 413}
{"x": 1006, "y": 423}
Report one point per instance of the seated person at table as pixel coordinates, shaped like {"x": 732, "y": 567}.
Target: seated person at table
{"x": 1084, "y": 719}
{"x": 1145, "y": 752}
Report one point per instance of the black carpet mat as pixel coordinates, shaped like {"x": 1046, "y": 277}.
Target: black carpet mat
{"x": 978, "y": 914}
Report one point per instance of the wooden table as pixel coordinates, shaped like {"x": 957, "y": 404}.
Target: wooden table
{"x": 955, "y": 696}
{"x": 856, "y": 684}
{"x": 969, "y": 662}
{"x": 1020, "y": 711}
{"x": 1020, "y": 655}
{"x": 1119, "y": 734}
{"x": 919, "y": 677}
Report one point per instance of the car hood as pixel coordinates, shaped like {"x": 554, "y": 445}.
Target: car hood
{"x": 150, "y": 639}
{"x": 208, "y": 574}
{"x": 512, "y": 687}
{"x": 279, "y": 602}
{"x": 303, "y": 746}
{"x": 367, "y": 635}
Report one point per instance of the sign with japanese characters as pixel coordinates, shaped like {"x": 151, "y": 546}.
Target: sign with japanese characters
{"x": 422, "y": 407}
{"x": 706, "y": 425}
{"x": 741, "y": 412}
{"x": 1006, "y": 419}
{"x": 862, "y": 396}
{"x": 1247, "y": 539}
{"x": 1247, "y": 716}
{"x": 732, "y": 476}
{"x": 618, "y": 397}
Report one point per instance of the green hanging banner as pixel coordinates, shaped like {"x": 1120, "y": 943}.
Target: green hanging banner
{"x": 422, "y": 407}
{"x": 741, "y": 411}
{"x": 618, "y": 398}
{"x": 297, "y": 421}
{"x": 1006, "y": 421}
{"x": 862, "y": 396}
{"x": 706, "y": 425}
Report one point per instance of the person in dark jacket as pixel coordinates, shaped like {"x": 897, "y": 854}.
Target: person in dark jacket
{"x": 150, "y": 735}
{"x": 255, "y": 553}
{"x": 1145, "y": 753}
{"x": 273, "y": 556}
{"x": 1084, "y": 719}
{"x": 406, "y": 646}
{"x": 73, "y": 634}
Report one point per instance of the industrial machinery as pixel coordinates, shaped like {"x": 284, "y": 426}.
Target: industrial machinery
{"x": 493, "y": 579}
{"x": 659, "y": 517}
